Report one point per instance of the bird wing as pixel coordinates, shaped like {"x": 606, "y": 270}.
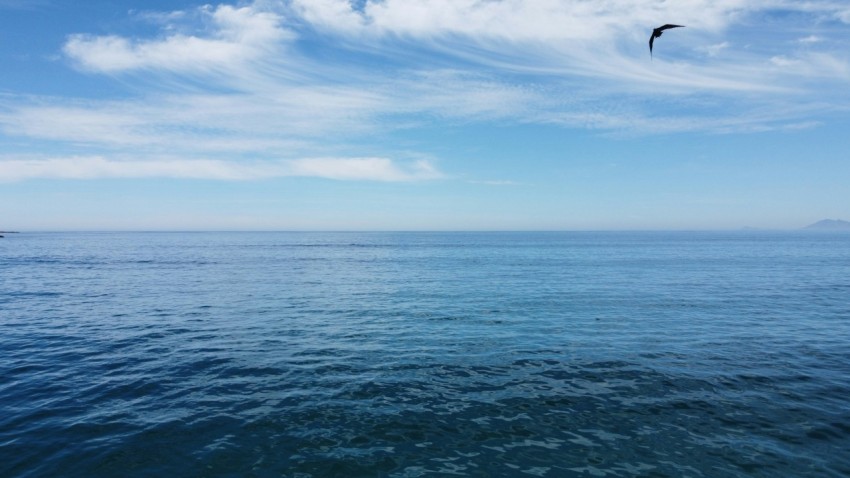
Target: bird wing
{"x": 656, "y": 32}
{"x": 668, "y": 25}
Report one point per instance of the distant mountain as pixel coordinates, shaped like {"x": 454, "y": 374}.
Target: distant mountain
{"x": 830, "y": 225}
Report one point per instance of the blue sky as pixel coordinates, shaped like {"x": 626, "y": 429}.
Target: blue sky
{"x": 423, "y": 114}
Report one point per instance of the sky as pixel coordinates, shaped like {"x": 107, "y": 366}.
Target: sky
{"x": 423, "y": 114}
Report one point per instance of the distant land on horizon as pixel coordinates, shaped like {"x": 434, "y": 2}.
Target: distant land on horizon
{"x": 830, "y": 224}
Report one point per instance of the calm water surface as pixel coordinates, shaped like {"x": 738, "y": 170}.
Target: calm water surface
{"x": 425, "y": 354}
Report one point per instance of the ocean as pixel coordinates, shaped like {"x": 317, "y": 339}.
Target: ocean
{"x": 558, "y": 354}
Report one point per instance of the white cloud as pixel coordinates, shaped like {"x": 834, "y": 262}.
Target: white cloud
{"x": 547, "y": 38}
{"x": 376, "y": 169}
{"x": 458, "y": 95}
{"x": 518, "y": 20}
{"x": 331, "y": 14}
{"x": 396, "y": 64}
{"x": 783, "y": 61}
{"x": 270, "y": 121}
{"x": 810, "y": 39}
{"x": 97, "y": 167}
{"x": 80, "y": 123}
{"x": 822, "y": 66}
{"x": 716, "y": 49}
{"x": 603, "y": 39}
{"x": 496, "y": 182}
{"x": 238, "y": 36}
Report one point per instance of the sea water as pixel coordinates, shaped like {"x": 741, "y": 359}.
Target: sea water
{"x": 657, "y": 354}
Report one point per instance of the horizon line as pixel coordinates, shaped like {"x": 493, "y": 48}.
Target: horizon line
{"x": 201, "y": 231}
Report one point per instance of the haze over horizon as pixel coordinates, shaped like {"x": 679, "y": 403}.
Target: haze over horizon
{"x": 422, "y": 115}
{"x": 817, "y": 227}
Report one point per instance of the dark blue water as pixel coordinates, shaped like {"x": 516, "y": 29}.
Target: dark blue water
{"x": 425, "y": 354}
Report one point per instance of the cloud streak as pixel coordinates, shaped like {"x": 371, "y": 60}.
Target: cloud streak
{"x": 96, "y": 167}
{"x": 230, "y": 89}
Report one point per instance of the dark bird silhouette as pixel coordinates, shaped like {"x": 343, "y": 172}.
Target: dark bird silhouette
{"x": 657, "y": 33}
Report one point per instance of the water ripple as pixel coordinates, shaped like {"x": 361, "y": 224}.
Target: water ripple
{"x": 407, "y": 355}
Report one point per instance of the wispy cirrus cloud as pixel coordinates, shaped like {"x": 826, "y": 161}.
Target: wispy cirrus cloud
{"x": 97, "y": 167}
{"x": 515, "y": 20}
{"x": 219, "y": 84}
{"x": 603, "y": 40}
{"x": 202, "y": 122}
{"x": 546, "y": 38}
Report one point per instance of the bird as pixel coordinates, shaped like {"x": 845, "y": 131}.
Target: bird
{"x": 656, "y": 32}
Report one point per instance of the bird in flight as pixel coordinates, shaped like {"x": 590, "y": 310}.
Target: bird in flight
{"x": 656, "y": 32}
